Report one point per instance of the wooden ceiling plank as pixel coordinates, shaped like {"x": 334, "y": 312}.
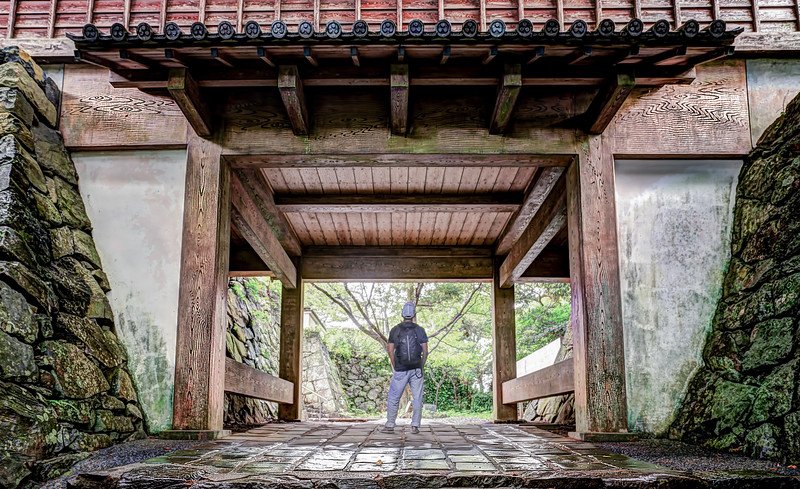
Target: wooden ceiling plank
{"x": 341, "y": 227}
{"x": 384, "y": 221}
{"x": 507, "y": 94}
{"x": 314, "y": 228}
{"x": 370, "y": 224}
{"x": 399, "y": 179}
{"x": 454, "y": 228}
{"x": 356, "y": 227}
{"x": 254, "y": 183}
{"x": 255, "y": 229}
{"x": 426, "y": 225}
{"x": 452, "y": 179}
{"x": 328, "y": 228}
{"x": 299, "y": 227}
{"x": 275, "y": 179}
{"x": 500, "y": 223}
{"x": 469, "y": 180}
{"x": 607, "y": 102}
{"x": 346, "y": 180}
{"x": 363, "y": 178}
{"x": 186, "y": 93}
{"x": 549, "y": 219}
{"x": 548, "y": 177}
{"x": 413, "y": 221}
{"x": 487, "y": 179}
{"x": 311, "y": 180}
{"x": 468, "y": 230}
{"x": 291, "y": 89}
{"x": 330, "y": 182}
{"x": 399, "y": 83}
{"x": 416, "y": 179}
{"x": 506, "y": 178}
{"x": 434, "y": 178}
{"x": 523, "y": 178}
{"x": 293, "y": 179}
{"x": 440, "y": 228}
{"x": 482, "y": 230}
{"x": 381, "y": 180}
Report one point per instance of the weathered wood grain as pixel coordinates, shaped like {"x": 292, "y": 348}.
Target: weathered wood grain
{"x": 504, "y": 347}
{"x": 507, "y": 93}
{"x": 554, "y": 380}
{"x": 433, "y": 161}
{"x": 337, "y": 268}
{"x": 598, "y": 350}
{"x": 291, "y": 349}
{"x": 607, "y": 102}
{"x": 552, "y": 265}
{"x": 291, "y": 89}
{"x": 184, "y": 90}
{"x": 202, "y": 317}
{"x": 398, "y": 79}
{"x": 490, "y": 202}
{"x": 247, "y": 381}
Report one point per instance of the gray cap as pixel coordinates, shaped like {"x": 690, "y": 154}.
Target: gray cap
{"x": 409, "y": 310}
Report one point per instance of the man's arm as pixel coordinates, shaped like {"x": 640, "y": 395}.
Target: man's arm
{"x": 424, "y": 353}
{"x": 390, "y": 351}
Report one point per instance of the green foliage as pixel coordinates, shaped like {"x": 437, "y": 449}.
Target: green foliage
{"x": 542, "y": 314}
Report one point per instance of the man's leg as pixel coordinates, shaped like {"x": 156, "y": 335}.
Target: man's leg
{"x": 416, "y": 381}
{"x": 396, "y": 388}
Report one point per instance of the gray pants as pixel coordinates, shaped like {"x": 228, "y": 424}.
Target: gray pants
{"x": 396, "y": 388}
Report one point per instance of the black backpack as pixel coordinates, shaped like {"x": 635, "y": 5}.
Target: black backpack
{"x": 408, "y": 350}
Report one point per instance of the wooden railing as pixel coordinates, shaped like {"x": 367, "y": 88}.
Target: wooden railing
{"x": 550, "y": 381}
{"x": 247, "y": 381}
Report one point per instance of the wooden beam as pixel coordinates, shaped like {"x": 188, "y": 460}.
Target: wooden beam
{"x": 491, "y": 55}
{"x": 596, "y": 318}
{"x": 310, "y": 56}
{"x": 445, "y": 54}
{"x": 222, "y": 58}
{"x": 245, "y": 380}
{"x": 291, "y": 88}
{"x": 354, "y": 56}
{"x": 543, "y": 184}
{"x": 186, "y": 93}
{"x": 607, "y": 102}
{"x": 551, "y": 266}
{"x": 399, "y": 99}
{"x": 490, "y": 202}
{"x": 577, "y": 55}
{"x": 89, "y": 58}
{"x": 261, "y": 52}
{"x": 507, "y": 94}
{"x": 550, "y": 218}
{"x": 291, "y": 350}
{"x": 12, "y": 18}
{"x": 394, "y": 159}
{"x": 202, "y": 297}
{"x": 257, "y": 187}
{"x": 665, "y": 56}
{"x": 138, "y": 59}
{"x": 255, "y": 229}
{"x": 504, "y": 347}
{"x": 538, "y": 53}
{"x": 555, "y": 380}
{"x": 243, "y": 259}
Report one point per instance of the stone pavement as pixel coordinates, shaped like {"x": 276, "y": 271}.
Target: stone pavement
{"x": 356, "y": 455}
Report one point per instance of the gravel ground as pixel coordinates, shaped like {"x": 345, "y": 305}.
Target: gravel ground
{"x": 117, "y": 455}
{"x": 690, "y": 458}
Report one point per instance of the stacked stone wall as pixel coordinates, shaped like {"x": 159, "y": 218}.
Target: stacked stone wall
{"x": 65, "y": 388}
{"x": 364, "y": 379}
{"x": 745, "y": 397}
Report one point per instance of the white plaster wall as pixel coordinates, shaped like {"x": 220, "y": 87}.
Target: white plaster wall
{"x": 674, "y": 220}
{"x": 771, "y": 85}
{"x": 541, "y": 358}
{"x": 135, "y": 202}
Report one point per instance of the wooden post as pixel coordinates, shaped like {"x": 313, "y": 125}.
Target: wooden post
{"x": 504, "y": 346}
{"x": 291, "y": 352}
{"x": 202, "y": 318}
{"x": 598, "y": 350}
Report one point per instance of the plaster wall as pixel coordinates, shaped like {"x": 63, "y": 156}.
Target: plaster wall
{"x": 771, "y": 85}
{"x": 674, "y": 223}
{"x": 135, "y": 202}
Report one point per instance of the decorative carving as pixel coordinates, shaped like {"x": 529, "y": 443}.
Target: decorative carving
{"x": 360, "y": 28}
{"x": 525, "y": 28}
{"x": 497, "y": 28}
{"x": 114, "y": 104}
{"x": 551, "y": 28}
{"x": 279, "y": 29}
{"x": 225, "y": 30}
{"x": 144, "y": 32}
{"x": 252, "y": 29}
{"x": 172, "y": 31}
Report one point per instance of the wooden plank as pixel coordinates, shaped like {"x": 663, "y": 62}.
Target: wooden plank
{"x": 607, "y": 102}
{"x": 552, "y": 265}
{"x": 255, "y": 228}
{"x": 245, "y": 380}
{"x": 555, "y": 380}
{"x": 435, "y": 160}
{"x": 202, "y": 297}
{"x": 254, "y": 182}
{"x": 550, "y": 218}
{"x": 12, "y": 18}
{"x": 399, "y": 99}
{"x": 291, "y": 349}
{"x": 291, "y": 88}
{"x": 400, "y": 252}
{"x": 599, "y": 354}
{"x": 352, "y": 203}
{"x": 186, "y": 93}
{"x": 504, "y": 347}
{"x": 507, "y": 94}
{"x": 545, "y": 181}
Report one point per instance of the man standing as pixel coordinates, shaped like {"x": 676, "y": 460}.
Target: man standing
{"x": 408, "y": 351}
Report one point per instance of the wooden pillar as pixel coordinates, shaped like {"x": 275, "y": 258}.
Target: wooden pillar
{"x": 504, "y": 346}
{"x": 599, "y": 356}
{"x": 289, "y": 367}
{"x": 200, "y": 348}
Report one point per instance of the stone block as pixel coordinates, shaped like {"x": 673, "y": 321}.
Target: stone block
{"x": 46, "y": 209}
{"x": 107, "y": 421}
{"x": 773, "y": 398}
{"x": 70, "y": 203}
{"x": 13, "y": 54}
{"x": 771, "y": 342}
{"x": 52, "y": 155}
{"x": 78, "y": 291}
{"x": 122, "y": 386}
{"x": 731, "y": 403}
{"x": 103, "y": 345}
{"x": 72, "y": 411}
{"x": 763, "y": 442}
{"x": 30, "y": 284}
{"x": 51, "y": 468}
{"x": 14, "y": 75}
{"x": 133, "y": 411}
{"x": 111, "y": 403}
{"x": 86, "y": 442}
{"x": 30, "y": 422}
{"x": 14, "y": 102}
{"x": 12, "y": 152}
{"x": 13, "y": 125}
{"x": 786, "y": 294}
{"x": 16, "y": 359}
{"x": 16, "y": 211}
{"x": 14, "y": 468}
{"x": 16, "y": 315}
{"x": 77, "y": 376}
{"x": 13, "y": 246}
{"x": 67, "y": 241}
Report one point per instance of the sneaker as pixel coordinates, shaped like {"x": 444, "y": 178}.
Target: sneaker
{"x": 386, "y": 429}
{"x": 415, "y": 430}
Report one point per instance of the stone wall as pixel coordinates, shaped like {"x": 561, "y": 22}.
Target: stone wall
{"x": 65, "y": 388}
{"x": 746, "y": 396}
{"x": 323, "y": 395}
{"x": 365, "y": 380}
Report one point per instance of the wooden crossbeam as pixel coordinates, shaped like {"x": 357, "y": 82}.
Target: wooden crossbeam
{"x": 138, "y": 59}
{"x": 247, "y": 381}
{"x": 666, "y": 55}
{"x": 354, "y": 56}
{"x": 399, "y": 99}
{"x": 221, "y": 57}
{"x": 545, "y": 180}
{"x": 310, "y": 56}
{"x": 261, "y": 52}
{"x": 507, "y": 94}
{"x": 445, "y": 55}
{"x": 92, "y": 59}
{"x": 577, "y": 55}
{"x": 184, "y": 90}
{"x": 711, "y": 55}
{"x": 393, "y": 159}
{"x": 538, "y": 53}
{"x": 176, "y": 57}
{"x": 291, "y": 88}
{"x": 490, "y": 56}
{"x": 491, "y": 202}
{"x": 607, "y": 102}
{"x": 255, "y": 229}
{"x": 552, "y": 265}
{"x": 548, "y": 221}
{"x": 554, "y": 380}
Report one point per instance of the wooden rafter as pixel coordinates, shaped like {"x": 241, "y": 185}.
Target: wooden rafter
{"x": 399, "y": 99}
{"x": 546, "y": 179}
{"x": 548, "y": 221}
{"x": 491, "y": 202}
{"x": 291, "y": 88}
{"x": 607, "y": 102}
{"x": 507, "y": 94}
{"x": 186, "y": 93}
{"x": 255, "y": 229}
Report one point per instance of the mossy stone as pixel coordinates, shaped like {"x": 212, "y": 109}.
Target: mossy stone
{"x": 33, "y": 287}
{"x": 11, "y": 124}
{"x": 107, "y": 421}
{"x": 73, "y": 411}
{"x": 14, "y": 247}
{"x": 77, "y": 376}
{"x": 16, "y": 359}
{"x": 774, "y": 397}
{"x": 16, "y": 315}
{"x": 70, "y": 203}
{"x": 13, "y": 153}
{"x": 763, "y": 442}
{"x": 731, "y": 403}
{"x": 14, "y": 75}
{"x": 52, "y": 155}
{"x": 122, "y": 385}
{"x": 106, "y": 348}
{"x": 13, "y": 101}
{"x": 772, "y": 341}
